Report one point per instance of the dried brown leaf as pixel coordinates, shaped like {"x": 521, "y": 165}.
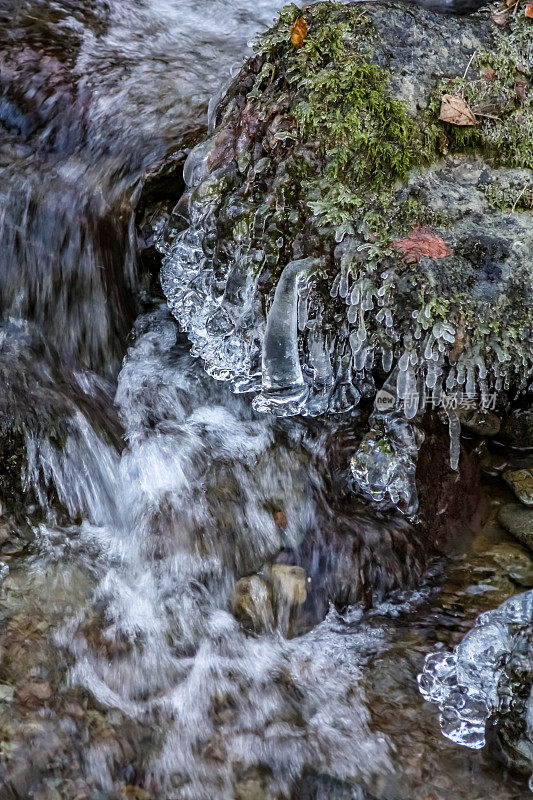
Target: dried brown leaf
{"x": 456, "y": 111}
{"x": 299, "y": 32}
{"x": 529, "y": 10}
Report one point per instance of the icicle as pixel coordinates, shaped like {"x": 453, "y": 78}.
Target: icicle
{"x": 454, "y": 428}
{"x": 355, "y": 295}
{"x": 386, "y": 360}
{"x": 470, "y": 382}
{"x": 404, "y": 361}
{"x": 335, "y": 286}
{"x": 302, "y": 309}
{"x": 431, "y": 375}
{"x": 355, "y": 343}
{"x": 360, "y": 359}
{"x": 450, "y": 380}
{"x": 411, "y": 395}
{"x": 343, "y": 286}
{"x": 282, "y": 382}
{"x": 401, "y": 383}
{"x": 428, "y": 352}
{"x": 319, "y": 359}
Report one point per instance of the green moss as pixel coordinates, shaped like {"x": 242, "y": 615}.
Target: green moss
{"x": 341, "y": 103}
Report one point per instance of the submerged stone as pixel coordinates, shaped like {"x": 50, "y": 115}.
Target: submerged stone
{"x": 521, "y": 482}
{"x": 289, "y": 584}
{"x": 518, "y": 521}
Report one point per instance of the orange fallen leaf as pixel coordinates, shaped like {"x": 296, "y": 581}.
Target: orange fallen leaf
{"x": 456, "y": 111}
{"x": 421, "y": 244}
{"x": 529, "y": 10}
{"x": 299, "y": 32}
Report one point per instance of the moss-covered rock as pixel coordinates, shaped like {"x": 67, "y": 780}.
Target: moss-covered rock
{"x": 405, "y": 242}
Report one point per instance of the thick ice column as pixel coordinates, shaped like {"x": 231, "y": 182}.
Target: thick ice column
{"x": 283, "y": 387}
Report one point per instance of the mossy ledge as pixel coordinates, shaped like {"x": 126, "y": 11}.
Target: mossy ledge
{"x": 420, "y": 230}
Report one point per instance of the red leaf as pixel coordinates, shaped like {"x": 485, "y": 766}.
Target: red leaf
{"x": 421, "y": 244}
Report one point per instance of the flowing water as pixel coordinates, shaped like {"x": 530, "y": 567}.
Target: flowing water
{"x": 151, "y": 489}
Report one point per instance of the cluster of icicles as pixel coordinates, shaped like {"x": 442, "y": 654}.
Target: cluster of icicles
{"x": 470, "y": 684}
{"x": 288, "y": 360}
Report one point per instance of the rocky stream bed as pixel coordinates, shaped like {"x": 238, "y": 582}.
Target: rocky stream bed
{"x": 266, "y": 427}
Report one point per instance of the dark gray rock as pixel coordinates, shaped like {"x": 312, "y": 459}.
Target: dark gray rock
{"x": 518, "y": 427}
{"x": 420, "y": 226}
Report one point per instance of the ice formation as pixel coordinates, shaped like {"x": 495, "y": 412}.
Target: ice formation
{"x": 384, "y": 465}
{"x": 469, "y": 684}
{"x": 283, "y": 386}
{"x": 283, "y": 262}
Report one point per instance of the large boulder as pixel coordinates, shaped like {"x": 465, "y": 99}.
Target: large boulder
{"x": 335, "y": 231}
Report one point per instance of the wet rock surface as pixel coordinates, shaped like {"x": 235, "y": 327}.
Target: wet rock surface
{"x": 518, "y": 428}
{"x": 518, "y": 520}
{"x": 521, "y": 482}
{"x": 479, "y": 421}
